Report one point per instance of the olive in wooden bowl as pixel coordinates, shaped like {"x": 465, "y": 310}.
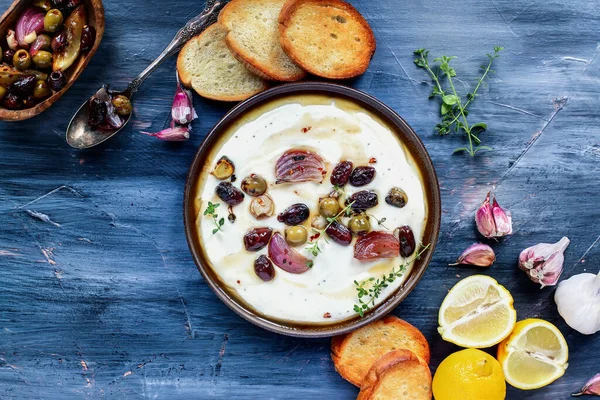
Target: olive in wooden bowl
{"x": 45, "y": 45}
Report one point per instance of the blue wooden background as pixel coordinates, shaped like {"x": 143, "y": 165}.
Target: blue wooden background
{"x": 103, "y": 298}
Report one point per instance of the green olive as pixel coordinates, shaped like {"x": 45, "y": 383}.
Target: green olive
{"x": 43, "y": 4}
{"x": 53, "y": 20}
{"x": 42, "y": 59}
{"x": 122, "y": 104}
{"x": 41, "y": 90}
{"x": 396, "y": 197}
{"x": 329, "y": 207}
{"x": 359, "y": 224}
{"x": 22, "y": 59}
{"x": 254, "y": 185}
{"x": 3, "y": 92}
{"x": 296, "y": 235}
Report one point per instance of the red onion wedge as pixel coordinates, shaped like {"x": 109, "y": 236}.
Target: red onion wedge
{"x": 299, "y": 165}
{"x": 30, "y": 24}
{"x": 376, "y": 245}
{"x": 285, "y": 257}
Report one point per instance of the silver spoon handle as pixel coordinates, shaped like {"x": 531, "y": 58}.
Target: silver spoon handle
{"x": 193, "y": 27}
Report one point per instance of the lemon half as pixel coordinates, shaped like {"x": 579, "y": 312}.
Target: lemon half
{"x": 478, "y": 312}
{"x": 534, "y": 355}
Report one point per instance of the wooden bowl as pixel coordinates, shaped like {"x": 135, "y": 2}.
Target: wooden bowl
{"x": 399, "y": 127}
{"x": 95, "y": 11}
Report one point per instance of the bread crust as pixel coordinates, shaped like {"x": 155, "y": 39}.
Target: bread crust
{"x": 403, "y": 360}
{"x": 185, "y": 76}
{"x": 256, "y": 66}
{"x": 354, "y": 353}
{"x": 285, "y": 18}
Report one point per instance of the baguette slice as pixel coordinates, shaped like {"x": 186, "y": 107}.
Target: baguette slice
{"x": 328, "y": 38}
{"x": 353, "y": 354}
{"x": 254, "y": 38}
{"x": 398, "y": 375}
{"x": 206, "y": 65}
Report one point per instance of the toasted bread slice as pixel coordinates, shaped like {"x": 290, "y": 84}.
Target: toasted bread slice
{"x": 328, "y": 38}
{"x": 206, "y": 65}
{"x": 254, "y": 38}
{"x": 398, "y": 375}
{"x": 353, "y": 354}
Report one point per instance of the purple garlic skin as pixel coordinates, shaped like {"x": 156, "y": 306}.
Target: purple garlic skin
{"x": 492, "y": 221}
{"x": 543, "y": 262}
{"x": 592, "y": 387}
{"x": 478, "y": 254}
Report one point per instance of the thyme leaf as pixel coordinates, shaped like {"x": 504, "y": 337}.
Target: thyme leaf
{"x": 211, "y": 210}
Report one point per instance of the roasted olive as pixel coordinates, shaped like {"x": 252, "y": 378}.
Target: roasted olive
{"x": 396, "y": 197}
{"x": 407, "y": 240}
{"x": 294, "y": 214}
{"x": 41, "y": 90}
{"x": 88, "y": 37}
{"x": 229, "y": 194}
{"x": 42, "y": 59}
{"x": 339, "y": 233}
{"x": 13, "y": 102}
{"x": 122, "y": 105}
{"x": 263, "y": 267}
{"x": 57, "y": 80}
{"x": 296, "y": 235}
{"x": 341, "y": 173}
{"x": 65, "y": 5}
{"x": 22, "y": 59}
{"x": 3, "y": 92}
{"x": 254, "y": 185}
{"x": 359, "y": 224}
{"x": 29, "y": 102}
{"x": 8, "y": 56}
{"x": 362, "y": 176}
{"x": 43, "y": 4}
{"x": 96, "y": 112}
{"x": 224, "y": 168}
{"x": 329, "y": 207}
{"x": 53, "y": 20}
{"x": 23, "y": 87}
{"x": 363, "y": 200}
{"x": 1, "y": 54}
{"x": 262, "y": 207}
{"x": 59, "y": 41}
{"x": 257, "y": 238}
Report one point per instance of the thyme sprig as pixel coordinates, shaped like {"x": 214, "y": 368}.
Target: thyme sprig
{"x": 313, "y": 245}
{"x": 211, "y": 210}
{"x": 369, "y": 290}
{"x": 454, "y": 110}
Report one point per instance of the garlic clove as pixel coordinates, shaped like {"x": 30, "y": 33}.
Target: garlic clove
{"x": 182, "y": 110}
{"x": 478, "y": 254}
{"x": 578, "y": 301}
{"x": 592, "y": 387}
{"x": 544, "y": 262}
{"x": 175, "y": 134}
{"x": 492, "y": 220}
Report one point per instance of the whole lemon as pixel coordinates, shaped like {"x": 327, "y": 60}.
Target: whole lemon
{"x": 469, "y": 375}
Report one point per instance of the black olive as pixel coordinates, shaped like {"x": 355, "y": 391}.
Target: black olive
{"x": 29, "y": 102}
{"x": 8, "y": 56}
{"x": 263, "y": 267}
{"x": 23, "y": 87}
{"x": 341, "y": 173}
{"x": 257, "y": 238}
{"x": 339, "y": 233}
{"x": 59, "y": 41}
{"x": 397, "y": 198}
{"x": 13, "y": 102}
{"x": 363, "y": 200}
{"x": 229, "y": 194}
{"x": 407, "y": 241}
{"x": 294, "y": 214}
{"x": 57, "y": 80}
{"x": 97, "y": 112}
{"x": 362, "y": 176}
{"x": 88, "y": 37}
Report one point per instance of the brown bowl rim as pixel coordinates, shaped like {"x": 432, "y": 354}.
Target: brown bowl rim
{"x": 400, "y": 128}
{"x": 97, "y": 8}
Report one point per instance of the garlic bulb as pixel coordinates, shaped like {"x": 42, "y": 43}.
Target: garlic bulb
{"x": 578, "y": 301}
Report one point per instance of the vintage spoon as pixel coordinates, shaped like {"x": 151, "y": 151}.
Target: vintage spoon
{"x": 81, "y": 136}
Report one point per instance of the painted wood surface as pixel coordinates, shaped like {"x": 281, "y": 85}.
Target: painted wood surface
{"x": 98, "y": 291}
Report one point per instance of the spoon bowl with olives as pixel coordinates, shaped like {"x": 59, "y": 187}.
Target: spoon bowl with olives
{"x": 107, "y": 112}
